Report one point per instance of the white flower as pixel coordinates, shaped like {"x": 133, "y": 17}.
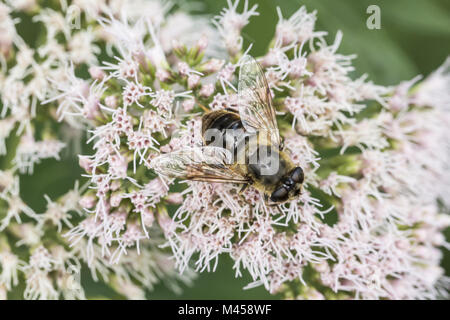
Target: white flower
{"x": 10, "y": 264}
{"x": 56, "y": 214}
{"x": 31, "y": 152}
{"x": 39, "y": 286}
{"x": 16, "y": 206}
{"x": 433, "y": 91}
{"x": 298, "y": 28}
{"x": 7, "y": 31}
{"x": 6, "y": 126}
{"x": 230, "y": 23}
{"x": 366, "y": 224}
{"x": 82, "y": 49}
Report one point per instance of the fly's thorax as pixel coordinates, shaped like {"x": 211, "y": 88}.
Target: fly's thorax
{"x": 268, "y": 165}
{"x": 274, "y": 185}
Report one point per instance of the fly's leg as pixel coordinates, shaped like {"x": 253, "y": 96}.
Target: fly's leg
{"x": 244, "y": 187}
{"x": 272, "y": 205}
{"x": 231, "y": 110}
{"x": 282, "y": 144}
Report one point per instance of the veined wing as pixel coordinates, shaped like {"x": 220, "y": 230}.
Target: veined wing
{"x": 255, "y": 102}
{"x": 211, "y": 164}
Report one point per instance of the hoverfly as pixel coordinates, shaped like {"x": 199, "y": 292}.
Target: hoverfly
{"x": 235, "y": 154}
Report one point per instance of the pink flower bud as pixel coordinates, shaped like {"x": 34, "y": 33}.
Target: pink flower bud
{"x": 111, "y": 102}
{"x": 175, "y": 198}
{"x": 166, "y": 223}
{"x": 84, "y": 89}
{"x": 438, "y": 239}
{"x": 85, "y": 163}
{"x": 171, "y": 129}
{"x": 96, "y": 73}
{"x": 269, "y": 59}
{"x": 322, "y": 267}
{"x": 139, "y": 56}
{"x": 23, "y": 5}
{"x": 6, "y": 44}
{"x": 118, "y": 165}
{"x": 165, "y": 148}
{"x": 421, "y": 234}
{"x": 115, "y": 185}
{"x": 177, "y": 45}
{"x": 193, "y": 80}
{"x": 162, "y": 75}
{"x": 91, "y": 108}
{"x": 202, "y": 43}
{"x": 213, "y": 65}
{"x": 87, "y": 201}
{"x": 188, "y": 105}
{"x": 115, "y": 199}
{"x": 207, "y": 90}
{"x": 147, "y": 217}
{"x": 183, "y": 68}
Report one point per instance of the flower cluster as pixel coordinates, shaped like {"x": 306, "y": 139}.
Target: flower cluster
{"x": 38, "y": 248}
{"x": 367, "y": 225}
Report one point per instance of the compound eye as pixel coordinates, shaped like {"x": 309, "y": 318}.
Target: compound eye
{"x": 297, "y": 175}
{"x": 279, "y": 195}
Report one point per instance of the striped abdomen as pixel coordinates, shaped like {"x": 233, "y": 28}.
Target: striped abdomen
{"x": 222, "y": 129}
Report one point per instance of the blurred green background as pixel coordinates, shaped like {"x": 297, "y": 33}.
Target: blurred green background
{"x": 414, "y": 39}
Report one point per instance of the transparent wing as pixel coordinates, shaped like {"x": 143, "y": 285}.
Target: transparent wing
{"x": 210, "y": 164}
{"x": 255, "y": 101}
